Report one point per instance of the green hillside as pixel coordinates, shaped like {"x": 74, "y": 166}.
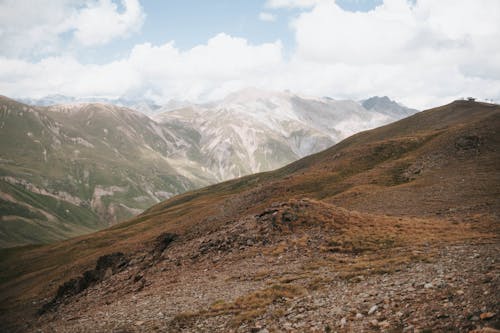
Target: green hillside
{"x": 69, "y": 170}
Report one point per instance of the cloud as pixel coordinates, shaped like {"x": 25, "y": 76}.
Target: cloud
{"x": 32, "y": 27}
{"x": 291, "y": 3}
{"x": 423, "y": 54}
{"x": 100, "y": 22}
{"x": 267, "y": 17}
{"x": 206, "y": 71}
{"x": 394, "y": 32}
{"x": 329, "y": 34}
{"x": 37, "y": 28}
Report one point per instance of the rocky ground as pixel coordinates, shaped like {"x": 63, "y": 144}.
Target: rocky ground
{"x": 286, "y": 277}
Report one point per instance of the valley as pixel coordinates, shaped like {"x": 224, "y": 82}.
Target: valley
{"x": 272, "y": 166}
{"x": 394, "y": 229}
{"x": 70, "y": 169}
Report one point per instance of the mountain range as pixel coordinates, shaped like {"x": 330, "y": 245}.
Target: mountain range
{"x": 74, "y": 168}
{"x": 393, "y": 229}
{"x": 143, "y": 105}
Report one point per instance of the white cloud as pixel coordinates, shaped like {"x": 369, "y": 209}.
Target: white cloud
{"x": 291, "y": 3}
{"x": 329, "y": 34}
{"x": 42, "y": 27}
{"x": 101, "y": 22}
{"x": 206, "y": 71}
{"x": 423, "y": 55}
{"x": 267, "y": 17}
{"x": 32, "y": 27}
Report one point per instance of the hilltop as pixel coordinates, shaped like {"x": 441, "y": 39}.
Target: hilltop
{"x": 391, "y": 229}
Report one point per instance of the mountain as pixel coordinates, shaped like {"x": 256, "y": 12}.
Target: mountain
{"x": 392, "y": 229}
{"x": 150, "y": 108}
{"x": 143, "y": 105}
{"x": 387, "y": 106}
{"x": 255, "y": 130}
{"x": 383, "y": 105}
{"x": 74, "y": 168}
{"x": 48, "y": 100}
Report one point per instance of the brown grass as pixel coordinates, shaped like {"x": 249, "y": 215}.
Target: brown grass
{"x": 244, "y": 308}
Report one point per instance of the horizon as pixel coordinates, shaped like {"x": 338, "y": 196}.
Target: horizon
{"x": 129, "y": 103}
{"x": 123, "y": 99}
{"x": 418, "y": 53}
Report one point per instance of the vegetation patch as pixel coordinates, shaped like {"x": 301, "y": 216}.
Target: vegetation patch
{"x": 244, "y": 308}
{"x": 359, "y": 244}
{"x": 399, "y": 174}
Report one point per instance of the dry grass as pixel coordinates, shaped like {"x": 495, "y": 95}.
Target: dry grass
{"x": 277, "y": 249}
{"x": 244, "y": 308}
{"x": 248, "y": 305}
{"x": 289, "y": 278}
{"x": 261, "y": 275}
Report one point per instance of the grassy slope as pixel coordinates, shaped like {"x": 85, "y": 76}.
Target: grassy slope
{"x": 40, "y": 218}
{"x": 362, "y": 172}
{"x": 45, "y": 148}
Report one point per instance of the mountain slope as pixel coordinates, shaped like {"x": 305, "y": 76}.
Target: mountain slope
{"x": 386, "y": 106}
{"x": 74, "y": 168}
{"x": 68, "y": 170}
{"x": 255, "y": 130}
{"x": 370, "y": 234}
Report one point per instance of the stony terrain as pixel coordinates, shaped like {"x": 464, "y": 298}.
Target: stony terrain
{"x": 289, "y": 274}
{"x": 456, "y": 290}
{"x": 391, "y": 230}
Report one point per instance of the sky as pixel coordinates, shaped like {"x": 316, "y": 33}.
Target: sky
{"x": 422, "y": 53}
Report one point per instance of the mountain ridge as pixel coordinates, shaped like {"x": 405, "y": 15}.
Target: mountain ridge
{"x": 64, "y": 153}
{"x": 81, "y": 159}
{"x": 380, "y": 212}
